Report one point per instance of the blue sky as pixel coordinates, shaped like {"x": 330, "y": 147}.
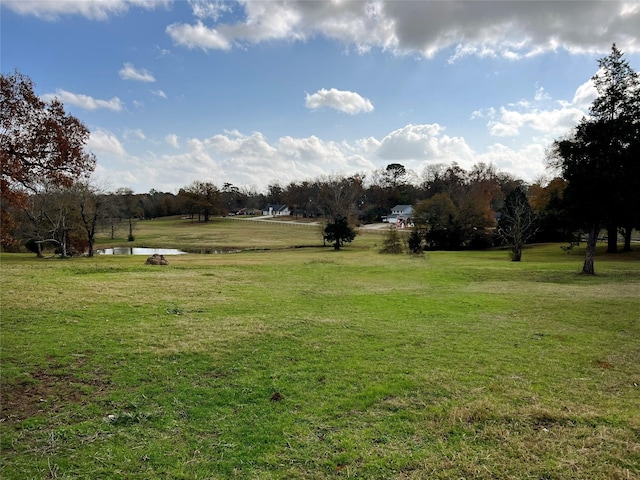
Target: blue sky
{"x": 258, "y": 92}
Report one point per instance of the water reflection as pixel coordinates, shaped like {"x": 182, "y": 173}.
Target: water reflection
{"x": 139, "y": 251}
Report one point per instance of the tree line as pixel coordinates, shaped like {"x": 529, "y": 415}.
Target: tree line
{"x": 48, "y": 197}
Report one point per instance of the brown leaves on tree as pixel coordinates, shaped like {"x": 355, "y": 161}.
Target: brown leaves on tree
{"x": 39, "y": 144}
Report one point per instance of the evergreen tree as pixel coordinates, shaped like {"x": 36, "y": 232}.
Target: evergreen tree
{"x": 338, "y": 231}
{"x": 600, "y": 162}
{"x": 392, "y": 242}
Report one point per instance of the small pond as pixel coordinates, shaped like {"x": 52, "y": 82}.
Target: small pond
{"x": 139, "y": 251}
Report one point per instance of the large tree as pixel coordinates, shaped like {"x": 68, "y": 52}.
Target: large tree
{"x": 205, "y": 197}
{"x": 39, "y": 144}
{"x": 599, "y": 160}
{"x": 338, "y": 196}
{"x": 436, "y": 218}
{"x": 617, "y": 110}
{"x": 337, "y": 199}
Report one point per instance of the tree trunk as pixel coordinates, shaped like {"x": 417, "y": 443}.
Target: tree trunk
{"x": 627, "y": 239}
{"x": 612, "y": 239}
{"x": 590, "y": 252}
{"x": 516, "y": 253}
{"x": 63, "y": 244}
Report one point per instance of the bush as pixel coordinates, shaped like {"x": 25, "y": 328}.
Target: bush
{"x": 392, "y": 242}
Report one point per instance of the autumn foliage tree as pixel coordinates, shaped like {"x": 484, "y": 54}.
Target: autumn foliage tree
{"x": 40, "y": 144}
{"x": 437, "y": 218}
{"x": 546, "y": 200}
{"x": 459, "y": 210}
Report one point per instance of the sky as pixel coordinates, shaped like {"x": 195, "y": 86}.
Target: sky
{"x": 254, "y": 93}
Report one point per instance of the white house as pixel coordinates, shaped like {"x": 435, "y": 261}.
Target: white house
{"x": 400, "y": 215}
{"x": 276, "y": 210}
{"x": 402, "y": 210}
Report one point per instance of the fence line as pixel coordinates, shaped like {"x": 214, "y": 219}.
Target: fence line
{"x": 368, "y": 231}
{"x": 276, "y": 222}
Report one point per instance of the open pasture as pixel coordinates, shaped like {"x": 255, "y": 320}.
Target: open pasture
{"x": 313, "y": 364}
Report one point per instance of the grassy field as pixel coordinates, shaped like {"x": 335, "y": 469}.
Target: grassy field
{"x": 306, "y": 363}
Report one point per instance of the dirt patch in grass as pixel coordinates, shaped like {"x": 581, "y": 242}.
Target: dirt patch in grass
{"x": 44, "y": 392}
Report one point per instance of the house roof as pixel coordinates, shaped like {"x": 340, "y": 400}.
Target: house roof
{"x": 402, "y": 208}
{"x": 276, "y": 208}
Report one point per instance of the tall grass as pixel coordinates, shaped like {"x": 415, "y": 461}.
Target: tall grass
{"x": 310, "y": 363}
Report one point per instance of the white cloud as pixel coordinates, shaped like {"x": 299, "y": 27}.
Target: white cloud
{"x": 512, "y": 30}
{"x": 423, "y": 144}
{"x": 550, "y": 122}
{"x": 251, "y": 160}
{"x": 344, "y": 101}
{"x": 83, "y": 101}
{"x": 483, "y": 113}
{"x": 198, "y": 36}
{"x": 137, "y": 134}
{"x": 254, "y": 146}
{"x": 129, "y": 72}
{"x": 172, "y": 139}
{"x": 159, "y": 93}
{"x": 91, "y": 9}
{"x": 526, "y": 163}
{"x": 104, "y": 141}
{"x": 256, "y": 161}
{"x": 242, "y": 159}
{"x": 509, "y": 121}
{"x": 585, "y": 95}
{"x": 209, "y": 9}
{"x": 541, "y": 95}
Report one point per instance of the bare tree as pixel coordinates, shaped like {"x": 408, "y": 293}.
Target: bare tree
{"x": 130, "y": 208}
{"x": 337, "y": 195}
{"x": 91, "y": 204}
{"x": 517, "y": 222}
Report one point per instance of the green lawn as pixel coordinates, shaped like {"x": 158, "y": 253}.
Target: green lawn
{"x": 309, "y": 363}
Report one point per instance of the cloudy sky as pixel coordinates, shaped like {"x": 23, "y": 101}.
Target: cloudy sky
{"x": 256, "y": 92}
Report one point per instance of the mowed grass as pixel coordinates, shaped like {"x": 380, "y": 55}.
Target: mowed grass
{"x": 222, "y": 234}
{"x": 309, "y": 363}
